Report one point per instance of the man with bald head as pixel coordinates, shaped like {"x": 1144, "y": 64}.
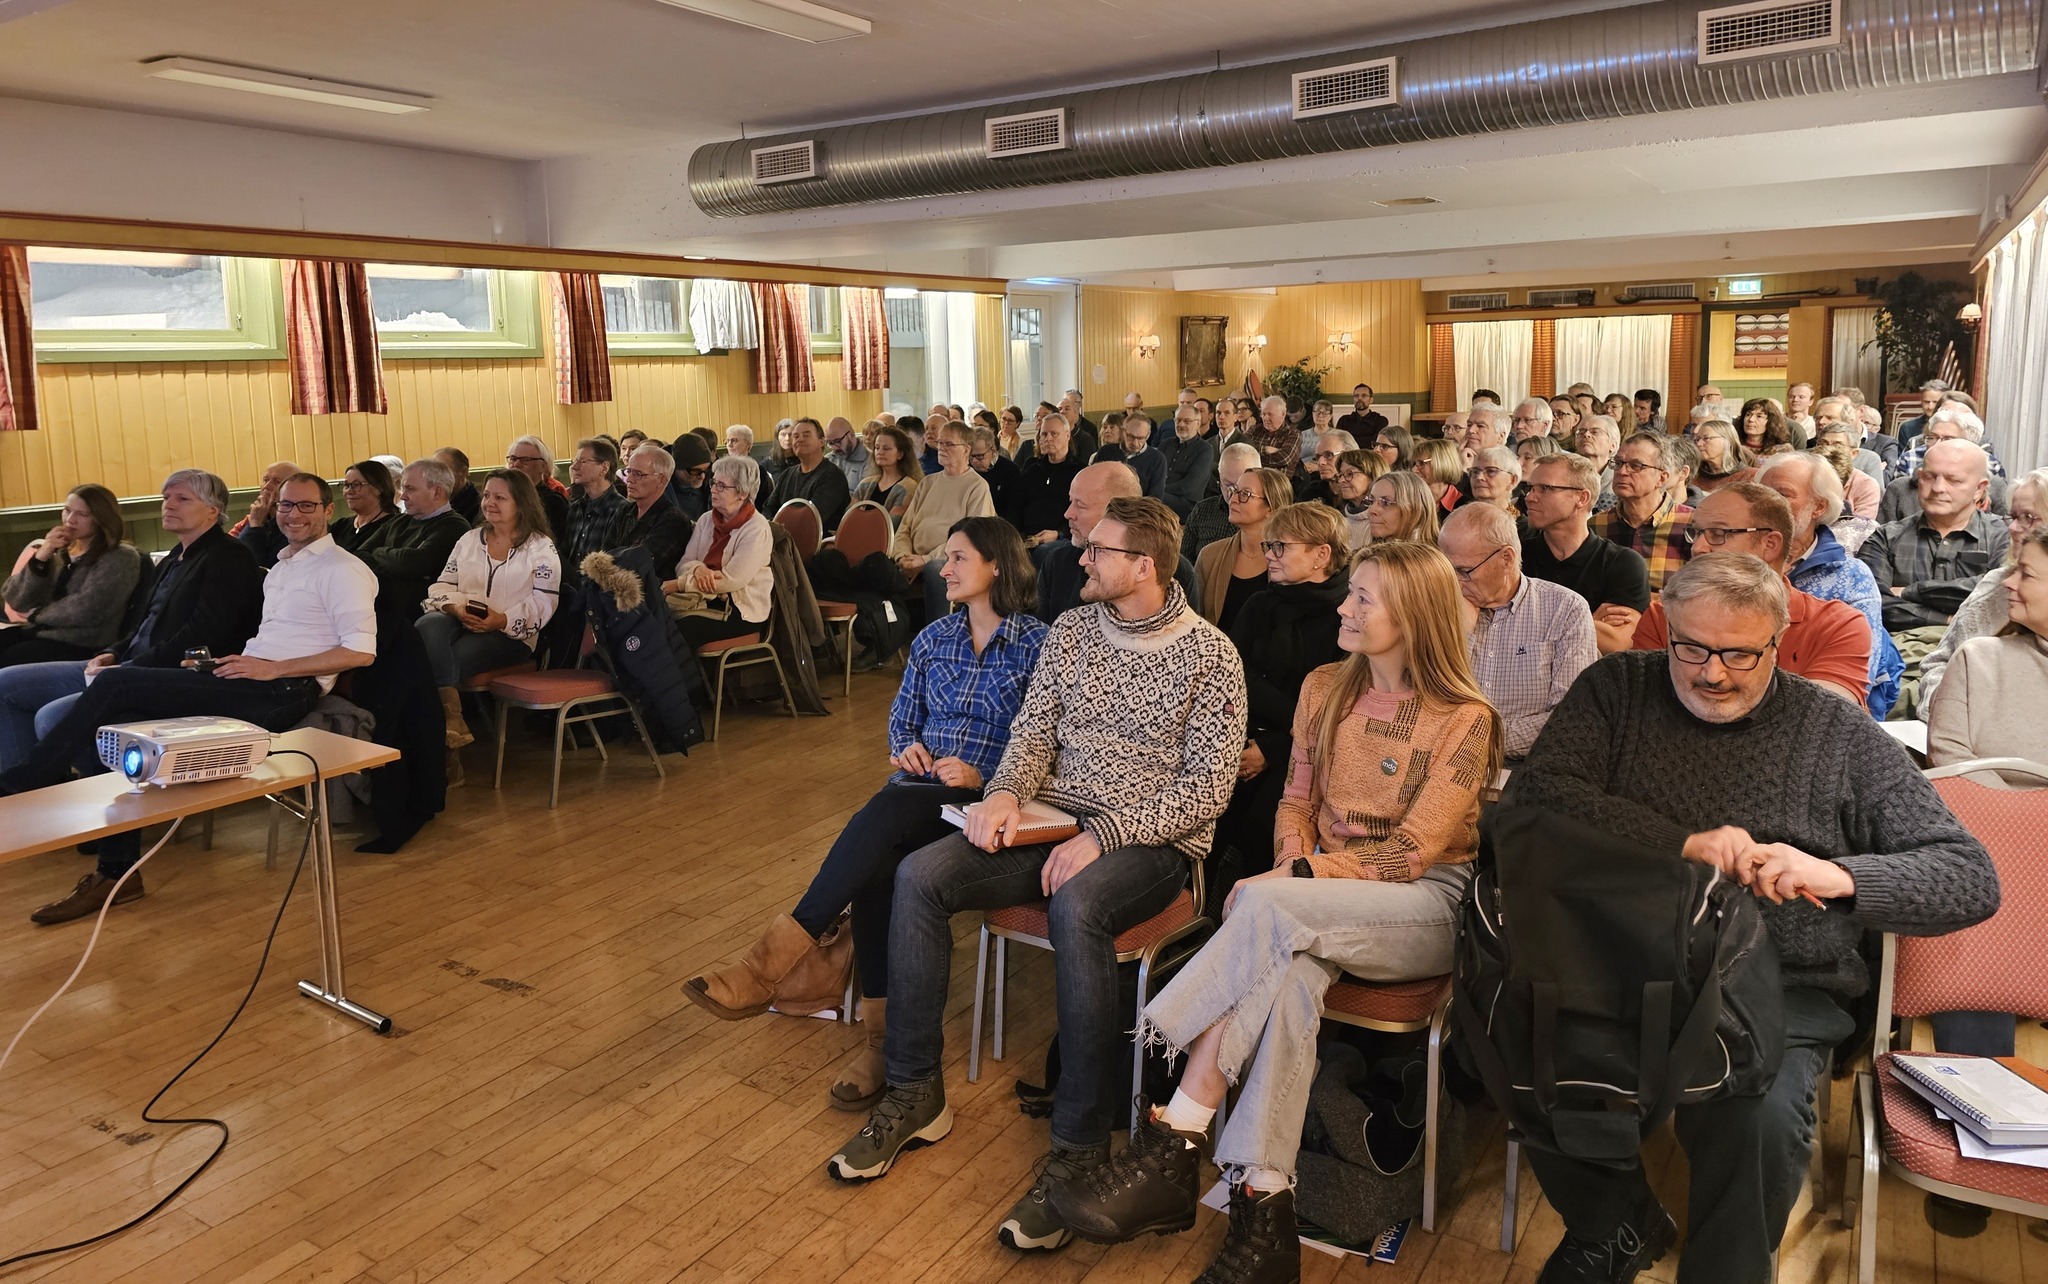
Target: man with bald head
{"x": 849, "y": 452}
{"x": 1928, "y": 562}
{"x": 259, "y": 529}
{"x": 1060, "y": 577}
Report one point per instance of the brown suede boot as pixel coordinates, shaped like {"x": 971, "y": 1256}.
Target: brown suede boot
{"x": 454, "y": 767}
{"x": 861, "y": 1081}
{"x": 451, "y": 710}
{"x": 785, "y": 968}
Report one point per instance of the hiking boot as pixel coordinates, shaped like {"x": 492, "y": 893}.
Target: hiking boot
{"x": 87, "y": 898}
{"x": 907, "y": 1117}
{"x": 1150, "y": 1187}
{"x": 861, "y": 1080}
{"x": 1634, "y": 1246}
{"x": 783, "y": 967}
{"x": 1262, "y": 1247}
{"x": 1030, "y": 1222}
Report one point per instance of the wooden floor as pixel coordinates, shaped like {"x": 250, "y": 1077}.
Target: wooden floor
{"x": 548, "y": 1108}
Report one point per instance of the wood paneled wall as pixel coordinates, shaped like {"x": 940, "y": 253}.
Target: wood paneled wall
{"x": 1385, "y": 319}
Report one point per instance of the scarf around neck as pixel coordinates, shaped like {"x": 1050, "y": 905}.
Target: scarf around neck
{"x": 721, "y": 531}
{"x": 1176, "y": 602}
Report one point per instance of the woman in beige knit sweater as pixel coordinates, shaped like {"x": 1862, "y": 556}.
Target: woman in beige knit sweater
{"x": 1376, "y": 833}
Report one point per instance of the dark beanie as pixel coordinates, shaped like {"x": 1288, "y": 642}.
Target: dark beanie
{"x": 690, "y": 452}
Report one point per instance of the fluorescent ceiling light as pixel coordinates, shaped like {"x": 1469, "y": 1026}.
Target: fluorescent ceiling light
{"x": 278, "y": 84}
{"x": 1401, "y": 202}
{"x": 797, "y": 19}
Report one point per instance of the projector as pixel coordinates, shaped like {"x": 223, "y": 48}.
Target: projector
{"x": 177, "y": 751}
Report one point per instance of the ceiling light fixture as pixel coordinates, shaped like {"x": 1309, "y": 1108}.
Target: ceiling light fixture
{"x": 278, "y": 84}
{"x": 797, "y": 19}
{"x": 1402, "y": 202}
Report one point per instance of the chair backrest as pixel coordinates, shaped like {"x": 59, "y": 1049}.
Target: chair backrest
{"x": 1994, "y": 966}
{"x": 138, "y": 600}
{"x": 865, "y": 530}
{"x": 806, "y": 527}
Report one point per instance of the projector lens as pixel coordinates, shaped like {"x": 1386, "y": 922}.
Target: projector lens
{"x": 131, "y": 762}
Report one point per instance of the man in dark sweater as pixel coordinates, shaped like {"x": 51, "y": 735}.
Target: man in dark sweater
{"x": 419, "y": 548}
{"x": 1706, "y": 751}
{"x": 1038, "y": 500}
{"x": 811, "y": 477}
{"x": 1061, "y": 576}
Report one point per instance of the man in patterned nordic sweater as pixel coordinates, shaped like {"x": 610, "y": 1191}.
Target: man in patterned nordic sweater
{"x": 1133, "y": 723}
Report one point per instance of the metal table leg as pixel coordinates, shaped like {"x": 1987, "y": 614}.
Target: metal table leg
{"x": 331, "y": 989}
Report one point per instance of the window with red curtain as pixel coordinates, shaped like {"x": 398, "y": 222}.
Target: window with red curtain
{"x": 583, "y": 357}
{"x": 331, "y": 338}
{"x": 783, "y": 361}
{"x": 864, "y": 327}
{"x": 17, "y": 343}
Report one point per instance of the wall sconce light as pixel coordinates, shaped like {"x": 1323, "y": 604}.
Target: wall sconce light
{"x": 1148, "y": 347}
{"x": 1971, "y": 316}
{"x": 1341, "y": 342}
{"x": 1254, "y": 343}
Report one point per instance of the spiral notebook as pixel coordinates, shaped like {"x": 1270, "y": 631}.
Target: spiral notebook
{"x": 1987, "y": 1098}
{"x": 1041, "y": 823}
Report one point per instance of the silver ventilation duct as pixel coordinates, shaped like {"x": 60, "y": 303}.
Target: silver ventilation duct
{"x": 1619, "y": 62}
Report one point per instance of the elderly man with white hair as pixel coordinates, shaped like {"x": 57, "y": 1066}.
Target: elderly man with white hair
{"x": 1599, "y": 440}
{"x": 1952, "y": 422}
{"x": 1278, "y": 444}
{"x": 532, "y": 456}
{"x": 1929, "y": 562}
{"x": 1532, "y": 418}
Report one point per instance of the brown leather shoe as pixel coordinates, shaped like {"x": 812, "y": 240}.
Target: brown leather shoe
{"x": 86, "y": 899}
{"x": 785, "y": 967}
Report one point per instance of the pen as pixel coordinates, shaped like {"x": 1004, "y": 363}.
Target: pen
{"x": 1818, "y": 903}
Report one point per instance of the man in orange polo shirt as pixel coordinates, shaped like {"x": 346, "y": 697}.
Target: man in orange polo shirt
{"x": 1827, "y": 642}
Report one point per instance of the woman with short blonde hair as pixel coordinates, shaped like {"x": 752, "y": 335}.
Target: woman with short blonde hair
{"x": 1402, "y": 508}
{"x": 1232, "y": 569}
{"x": 1442, "y": 465}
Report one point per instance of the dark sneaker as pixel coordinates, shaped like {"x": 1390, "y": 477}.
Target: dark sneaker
{"x": 87, "y": 898}
{"x": 1150, "y": 1188}
{"x": 906, "y": 1118}
{"x": 1030, "y": 1222}
{"x": 1616, "y": 1259}
{"x": 1263, "y": 1246}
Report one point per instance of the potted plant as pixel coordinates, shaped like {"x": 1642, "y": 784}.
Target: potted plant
{"x": 1299, "y": 381}
{"x": 1915, "y": 325}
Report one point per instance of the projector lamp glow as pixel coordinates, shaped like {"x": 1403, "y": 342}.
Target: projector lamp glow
{"x": 175, "y": 751}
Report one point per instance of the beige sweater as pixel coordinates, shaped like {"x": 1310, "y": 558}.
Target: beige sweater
{"x": 940, "y": 500}
{"x": 1992, "y": 703}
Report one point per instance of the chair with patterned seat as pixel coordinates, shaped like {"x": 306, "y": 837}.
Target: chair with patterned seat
{"x": 746, "y": 651}
{"x": 1991, "y": 967}
{"x": 574, "y": 696}
{"x": 1147, "y": 945}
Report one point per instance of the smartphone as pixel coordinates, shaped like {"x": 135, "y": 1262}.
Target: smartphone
{"x": 476, "y": 610}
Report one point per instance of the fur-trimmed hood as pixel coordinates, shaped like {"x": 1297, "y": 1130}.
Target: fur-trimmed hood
{"x": 608, "y": 576}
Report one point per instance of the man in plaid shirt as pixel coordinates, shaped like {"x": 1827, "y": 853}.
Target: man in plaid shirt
{"x": 1928, "y": 563}
{"x": 1646, "y": 518}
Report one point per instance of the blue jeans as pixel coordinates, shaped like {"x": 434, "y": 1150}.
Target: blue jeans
{"x": 455, "y": 654}
{"x": 860, "y": 870}
{"x": 1749, "y": 1159}
{"x": 1115, "y": 893}
{"x": 32, "y": 698}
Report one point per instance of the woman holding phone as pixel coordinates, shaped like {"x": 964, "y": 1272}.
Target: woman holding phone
{"x": 950, "y": 721}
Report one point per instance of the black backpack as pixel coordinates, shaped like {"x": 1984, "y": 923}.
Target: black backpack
{"x": 1600, "y": 985}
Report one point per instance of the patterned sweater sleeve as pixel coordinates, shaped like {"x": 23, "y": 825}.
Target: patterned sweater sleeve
{"x": 1212, "y": 740}
{"x": 1294, "y": 825}
{"x": 1034, "y": 733}
{"x": 530, "y": 612}
{"x": 1438, "y": 815}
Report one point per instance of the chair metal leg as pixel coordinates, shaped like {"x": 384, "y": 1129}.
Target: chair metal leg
{"x": 1002, "y": 983}
{"x": 498, "y": 776}
{"x": 787, "y": 698}
{"x": 980, "y": 993}
{"x": 660, "y": 772}
{"x": 848, "y": 658}
{"x": 1138, "y": 1039}
{"x": 1866, "y": 1213}
{"x": 555, "y": 783}
{"x": 718, "y": 697}
{"x": 1432, "y": 1098}
{"x": 1510, "y": 1193}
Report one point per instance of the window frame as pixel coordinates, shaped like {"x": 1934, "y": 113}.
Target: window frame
{"x": 515, "y": 332}
{"x": 832, "y": 341}
{"x": 656, "y": 343}
{"x": 256, "y": 330}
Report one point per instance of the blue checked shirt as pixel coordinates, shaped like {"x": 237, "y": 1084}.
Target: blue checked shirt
{"x": 958, "y": 704}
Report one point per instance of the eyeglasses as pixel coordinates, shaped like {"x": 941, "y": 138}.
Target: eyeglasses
{"x": 1739, "y": 659}
{"x": 1240, "y": 494}
{"x": 355, "y": 485}
{"x": 1548, "y": 489}
{"x": 300, "y": 505}
{"x": 524, "y": 459}
{"x": 980, "y": 457}
{"x": 1350, "y": 474}
{"x": 1636, "y": 466}
{"x": 1382, "y": 502}
{"x": 1093, "y": 549}
{"x": 1525, "y": 419}
{"x": 727, "y": 487}
{"x": 1715, "y": 536}
{"x": 1279, "y": 547}
{"x": 1490, "y": 471}
{"x": 697, "y": 474}
{"x": 1467, "y": 572}
{"x": 1325, "y": 456}
{"x": 635, "y": 474}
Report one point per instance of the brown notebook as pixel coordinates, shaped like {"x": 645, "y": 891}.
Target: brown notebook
{"x": 1041, "y": 823}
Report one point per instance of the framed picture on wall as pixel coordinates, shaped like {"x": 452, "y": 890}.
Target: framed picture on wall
{"x": 1201, "y": 350}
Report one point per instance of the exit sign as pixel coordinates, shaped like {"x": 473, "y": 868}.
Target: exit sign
{"x": 1745, "y": 287}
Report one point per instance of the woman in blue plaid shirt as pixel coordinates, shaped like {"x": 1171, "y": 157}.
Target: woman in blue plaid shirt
{"x": 947, "y": 728}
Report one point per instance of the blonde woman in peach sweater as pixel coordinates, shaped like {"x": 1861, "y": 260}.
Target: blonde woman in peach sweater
{"x": 1373, "y": 846}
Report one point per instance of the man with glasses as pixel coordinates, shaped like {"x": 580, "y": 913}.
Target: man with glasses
{"x": 1191, "y": 460}
{"x": 652, "y": 521}
{"x": 849, "y": 452}
{"x": 1825, "y": 642}
{"x": 259, "y": 530}
{"x": 689, "y": 486}
{"x": 531, "y": 455}
{"x": 1927, "y": 563}
{"x": 1646, "y": 519}
{"x": 811, "y": 476}
{"x": 1531, "y": 419}
{"x": 1599, "y": 438}
{"x": 1133, "y": 725}
{"x": 1530, "y": 639}
{"x": 1319, "y": 485}
{"x": 1132, "y": 448}
{"x": 1819, "y": 564}
{"x": 1704, "y": 751}
{"x": 319, "y": 620}
{"x": 1362, "y": 421}
{"x": 997, "y": 469}
{"x": 1561, "y": 548}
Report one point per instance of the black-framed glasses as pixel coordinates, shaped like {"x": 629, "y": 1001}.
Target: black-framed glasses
{"x": 300, "y": 505}
{"x": 1740, "y": 659}
{"x": 1467, "y": 572}
{"x": 524, "y": 459}
{"x": 1715, "y": 536}
{"x": 1279, "y": 547}
{"x": 1325, "y": 456}
{"x": 1090, "y": 551}
{"x": 697, "y": 474}
{"x": 1549, "y": 489}
{"x": 1235, "y": 494}
{"x": 1636, "y": 466}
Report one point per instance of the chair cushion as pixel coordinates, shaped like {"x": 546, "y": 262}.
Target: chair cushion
{"x": 1394, "y": 1002}
{"x": 730, "y": 644}
{"x": 837, "y": 610}
{"x": 483, "y": 681}
{"x": 553, "y": 686}
{"x": 1031, "y": 920}
{"x": 1922, "y": 1144}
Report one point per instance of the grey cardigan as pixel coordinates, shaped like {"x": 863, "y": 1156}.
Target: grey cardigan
{"x": 89, "y": 610}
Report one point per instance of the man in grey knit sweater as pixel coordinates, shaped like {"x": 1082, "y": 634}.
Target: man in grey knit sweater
{"x": 1133, "y": 723}
{"x": 1707, "y": 751}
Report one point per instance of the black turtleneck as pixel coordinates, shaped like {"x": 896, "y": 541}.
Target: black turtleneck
{"x": 1283, "y": 633}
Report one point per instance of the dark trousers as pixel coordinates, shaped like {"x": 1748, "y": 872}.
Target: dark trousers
{"x": 860, "y": 870}
{"x": 1749, "y": 1159}
{"x": 124, "y": 694}
{"x": 1120, "y": 890}
{"x": 699, "y": 629}
{"x": 20, "y": 645}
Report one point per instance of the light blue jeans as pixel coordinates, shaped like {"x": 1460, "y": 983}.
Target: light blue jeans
{"x": 33, "y": 697}
{"x": 1263, "y": 976}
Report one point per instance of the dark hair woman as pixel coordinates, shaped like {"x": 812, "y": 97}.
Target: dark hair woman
{"x": 1763, "y": 426}
{"x": 371, "y": 496}
{"x": 964, "y": 682}
{"x": 893, "y": 473}
{"x": 1396, "y": 446}
{"x": 73, "y": 590}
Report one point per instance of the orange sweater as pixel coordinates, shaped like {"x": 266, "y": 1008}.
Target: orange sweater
{"x": 1402, "y": 794}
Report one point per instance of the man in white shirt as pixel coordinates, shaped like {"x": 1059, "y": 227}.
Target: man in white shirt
{"x": 319, "y": 620}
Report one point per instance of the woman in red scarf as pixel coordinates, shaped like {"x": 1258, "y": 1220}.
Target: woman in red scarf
{"x": 728, "y": 555}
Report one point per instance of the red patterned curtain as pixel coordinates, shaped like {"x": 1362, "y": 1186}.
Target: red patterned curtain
{"x": 17, "y": 343}
{"x": 1543, "y": 360}
{"x": 783, "y": 361}
{"x": 331, "y": 332}
{"x": 1443, "y": 370}
{"x": 1685, "y": 368}
{"x": 865, "y": 328}
{"x": 583, "y": 358}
